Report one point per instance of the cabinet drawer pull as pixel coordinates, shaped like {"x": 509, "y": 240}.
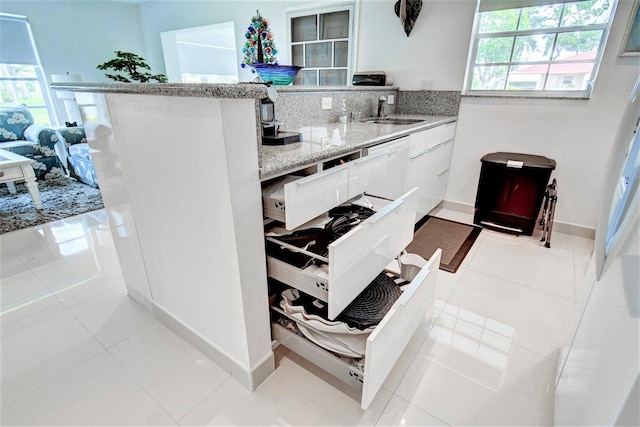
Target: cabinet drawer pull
{"x": 443, "y": 172}
{"x": 371, "y": 157}
{"x": 415, "y": 156}
{"x": 434, "y": 147}
{"x": 384, "y": 211}
{"x": 1, "y": 174}
{"x": 409, "y": 291}
{"x": 321, "y": 175}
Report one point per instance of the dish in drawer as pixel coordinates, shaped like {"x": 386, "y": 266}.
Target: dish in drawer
{"x": 346, "y": 335}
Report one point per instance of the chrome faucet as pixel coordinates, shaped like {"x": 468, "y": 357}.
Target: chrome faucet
{"x": 381, "y": 102}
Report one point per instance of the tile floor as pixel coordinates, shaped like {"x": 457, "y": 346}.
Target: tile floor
{"x": 75, "y": 350}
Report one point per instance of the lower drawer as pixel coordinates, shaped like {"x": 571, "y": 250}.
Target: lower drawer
{"x": 10, "y": 174}
{"x": 355, "y": 258}
{"x": 385, "y": 344}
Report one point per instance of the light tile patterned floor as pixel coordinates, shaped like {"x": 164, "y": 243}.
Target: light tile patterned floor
{"x": 77, "y": 351}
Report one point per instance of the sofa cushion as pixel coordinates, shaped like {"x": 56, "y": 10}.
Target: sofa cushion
{"x": 73, "y": 135}
{"x": 81, "y": 151}
{"x": 13, "y": 122}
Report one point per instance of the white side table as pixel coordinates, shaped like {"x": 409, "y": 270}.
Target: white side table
{"x": 14, "y": 167}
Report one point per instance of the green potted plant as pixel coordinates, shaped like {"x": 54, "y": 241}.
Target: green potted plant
{"x": 128, "y": 63}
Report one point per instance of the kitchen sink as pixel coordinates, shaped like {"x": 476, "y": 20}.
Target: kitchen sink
{"x": 392, "y": 121}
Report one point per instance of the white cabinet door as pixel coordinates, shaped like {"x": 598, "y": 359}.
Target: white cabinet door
{"x": 428, "y": 169}
{"x": 366, "y": 172}
{"x": 393, "y": 184}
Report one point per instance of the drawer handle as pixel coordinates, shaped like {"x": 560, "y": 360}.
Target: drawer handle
{"x": 320, "y": 175}
{"x": 1, "y": 174}
{"x": 434, "y": 147}
{"x": 415, "y": 156}
{"x": 371, "y": 157}
{"x": 409, "y": 291}
{"x": 385, "y": 211}
{"x": 443, "y": 172}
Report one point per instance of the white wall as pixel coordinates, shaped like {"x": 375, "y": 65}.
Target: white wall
{"x": 577, "y": 134}
{"x": 176, "y": 15}
{"x": 75, "y": 36}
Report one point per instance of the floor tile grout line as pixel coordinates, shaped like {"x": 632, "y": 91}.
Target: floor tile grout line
{"x": 573, "y": 300}
{"x": 135, "y": 380}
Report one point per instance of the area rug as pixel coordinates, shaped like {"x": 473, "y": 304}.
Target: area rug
{"x": 454, "y": 238}
{"x": 61, "y": 198}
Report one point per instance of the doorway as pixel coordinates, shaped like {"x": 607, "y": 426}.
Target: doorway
{"x": 201, "y": 54}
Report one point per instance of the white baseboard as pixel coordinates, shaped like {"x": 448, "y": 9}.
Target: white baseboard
{"x": 250, "y": 379}
{"x": 560, "y": 227}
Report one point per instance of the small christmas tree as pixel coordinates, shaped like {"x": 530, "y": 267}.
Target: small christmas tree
{"x": 128, "y": 62}
{"x": 259, "y": 46}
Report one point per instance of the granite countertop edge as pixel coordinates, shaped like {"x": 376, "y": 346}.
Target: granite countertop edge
{"x": 203, "y": 90}
{"x": 353, "y": 136}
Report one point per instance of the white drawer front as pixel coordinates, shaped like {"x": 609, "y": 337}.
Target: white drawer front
{"x": 366, "y": 172}
{"x": 449, "y": 131}
{"x": 387, "y": 342}
{"x": 393, "y": 184}
{"x": 423, "y": 140}
{"x": 313, "y": 195}
{"x": 356, "y": 258}
{"x": 12, "y": 173}
{"x": 384, "y": 345}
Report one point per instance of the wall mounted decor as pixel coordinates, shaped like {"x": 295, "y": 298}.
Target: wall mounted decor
{"x": 408, "y": 11}
{"x": 631, "y": 42}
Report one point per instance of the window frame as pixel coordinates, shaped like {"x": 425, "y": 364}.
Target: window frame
{"x": 40, "y": 75}
{"x": 324, "y": 8}
{"x": 539, "y": 93}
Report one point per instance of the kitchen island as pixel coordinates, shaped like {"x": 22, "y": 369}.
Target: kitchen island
{"x": 180, "y": 169}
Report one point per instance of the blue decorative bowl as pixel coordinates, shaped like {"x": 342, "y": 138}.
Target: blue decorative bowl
{"x": 280, "y": 75}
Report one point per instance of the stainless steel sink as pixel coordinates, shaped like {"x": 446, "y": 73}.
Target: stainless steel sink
{"x": 392, "y": 121}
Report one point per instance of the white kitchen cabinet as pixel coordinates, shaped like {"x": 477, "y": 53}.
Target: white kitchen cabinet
{"x": 295, "y": 200}
{"x": 428, "y": 169}
{"x": 354, "y": 259}
{"x": 393, "y": 182}
{"x": 385, "y": 344}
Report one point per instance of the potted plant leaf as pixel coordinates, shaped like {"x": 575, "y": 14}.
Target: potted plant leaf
{"x": 128, "y": 63}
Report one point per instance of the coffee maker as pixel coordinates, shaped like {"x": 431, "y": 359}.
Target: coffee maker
{"x": 271, "y": 134}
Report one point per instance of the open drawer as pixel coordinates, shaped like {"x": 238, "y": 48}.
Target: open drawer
{"x": 354, "y": 259}
{"x": 294, "y": 200}
{"x": 384, "y": 345}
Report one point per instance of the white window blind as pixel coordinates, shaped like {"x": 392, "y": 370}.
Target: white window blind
{"x": 16, "y": 46}
{"x": 22, "y": 79}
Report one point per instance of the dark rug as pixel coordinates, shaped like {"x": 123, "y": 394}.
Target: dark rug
{"x": 454, "y": 238}
{"x": 61, "y": 198}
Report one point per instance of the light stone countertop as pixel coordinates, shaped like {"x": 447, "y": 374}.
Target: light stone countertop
{"x": 199, "y": 90}
{"x": 329, "y": 140}
{"x": 320, "y": 142}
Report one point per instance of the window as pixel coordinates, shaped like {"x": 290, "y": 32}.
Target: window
{"x": 21, "y": 77}
{"x": 322, "y": 42}
{"x": 548, "y": 48}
